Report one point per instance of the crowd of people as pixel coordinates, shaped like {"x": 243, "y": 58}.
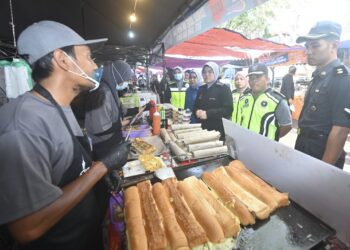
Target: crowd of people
{"x": 54, "y": 183}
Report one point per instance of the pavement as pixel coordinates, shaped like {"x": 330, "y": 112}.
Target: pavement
{"x": 290, "y": 138}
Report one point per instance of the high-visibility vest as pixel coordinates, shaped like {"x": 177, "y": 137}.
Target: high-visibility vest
{"x": 258, "y": 114}
{"x": 235, "y": 97}
{"x": 178, "y": 97}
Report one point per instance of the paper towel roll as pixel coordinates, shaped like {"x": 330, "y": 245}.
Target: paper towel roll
{"x": 191, "y": 134}
{"x": 204, "y": 145}
{"x": 164, "y": 134}
{"x": 209, "y": 136}
{"x": 178, "y": 152}
{"x": 185, "y": 126}
{"x": 209, "y": 152}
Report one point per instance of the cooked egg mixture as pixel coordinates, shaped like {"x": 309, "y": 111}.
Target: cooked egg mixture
{"x": 229, "y": 243}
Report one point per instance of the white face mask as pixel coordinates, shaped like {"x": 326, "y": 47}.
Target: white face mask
{"x": 97, "y": 75}
{"x": 122, "y": 86}
{"x": 178, "y": 76}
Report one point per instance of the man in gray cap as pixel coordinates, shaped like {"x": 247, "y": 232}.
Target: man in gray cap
{"x": 47, "y": 177}
{"x": 324, "y": 123}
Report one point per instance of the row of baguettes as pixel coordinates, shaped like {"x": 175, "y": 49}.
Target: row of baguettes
{"x": 176, "y": 215}
{"x": 245, "y": 194}
{"x": 186, "y": 214}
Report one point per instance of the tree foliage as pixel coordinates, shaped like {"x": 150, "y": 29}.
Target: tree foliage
{"x": 255, "y": 22}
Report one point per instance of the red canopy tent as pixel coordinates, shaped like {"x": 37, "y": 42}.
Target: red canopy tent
{"x": 222, "y": 45}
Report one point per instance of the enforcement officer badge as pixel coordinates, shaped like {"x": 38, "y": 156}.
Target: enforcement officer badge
{"x": 234, "y": 98}
{"x": 246, "y": 103}
{"x": 263, "y": 104}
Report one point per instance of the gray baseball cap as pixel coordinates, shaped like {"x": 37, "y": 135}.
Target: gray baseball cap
{"x": 43, "y": 37}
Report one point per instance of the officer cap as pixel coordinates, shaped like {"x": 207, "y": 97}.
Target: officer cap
{"x": 322, "y": 29}
{"x": 258, "y": 69}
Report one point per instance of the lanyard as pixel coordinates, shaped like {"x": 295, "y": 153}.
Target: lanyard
{"x": 42, "y": 91}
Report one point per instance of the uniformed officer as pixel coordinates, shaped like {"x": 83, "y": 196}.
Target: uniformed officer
{"x": 324, "y": 123}
{"x": 214, "y": 100}
{"x": 262, "y": 109}
{"x": 242, "y": 87}
{"x": 178, "y": 88}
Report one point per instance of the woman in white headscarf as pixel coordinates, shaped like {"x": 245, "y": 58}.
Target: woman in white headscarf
{"x": 214, "y": 100}
{"x": 195, "y": 80}
{"x": 241, "y": 88}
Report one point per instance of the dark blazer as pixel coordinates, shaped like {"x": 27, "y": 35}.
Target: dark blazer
{"x": 217, "y": 101}
{"x": 287, "y": 88}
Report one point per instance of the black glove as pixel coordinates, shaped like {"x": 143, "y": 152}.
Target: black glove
{"x": 147, "y": 106}
{"x": 117, "y": 156}
{"x": 113, "y": 182}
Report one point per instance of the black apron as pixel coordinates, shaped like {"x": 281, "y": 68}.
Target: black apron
{"x": 81, "y": 227}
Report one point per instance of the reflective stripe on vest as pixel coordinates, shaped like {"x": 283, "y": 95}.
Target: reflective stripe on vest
{"x": 235, "y": 115}
{"x": 259, "y": 115}
{"x": 178, "y": 97}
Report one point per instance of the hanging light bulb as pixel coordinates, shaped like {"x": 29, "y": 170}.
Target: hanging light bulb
{"x": 131, "y": 34}
{"x": 133, "y": 17}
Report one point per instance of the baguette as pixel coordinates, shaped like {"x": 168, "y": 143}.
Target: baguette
{"x": 229, "y": 199}
{"x": 203, "y": 213}
{"x": 281, "y": 198}
{"x": 228, "y": 221}
{"x": 153, "y": 219}
{"x": 252, "y": 187}
{"x": 136, "y": 233}
{"x": 257, "y": 207}
{"x": 194, "y": 232}
{"x": 174, "y": 233}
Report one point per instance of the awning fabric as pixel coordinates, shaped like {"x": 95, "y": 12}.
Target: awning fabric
{"x": 223, "y": 42}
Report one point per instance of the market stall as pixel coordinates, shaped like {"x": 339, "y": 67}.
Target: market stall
{"x": 285, "y": 219}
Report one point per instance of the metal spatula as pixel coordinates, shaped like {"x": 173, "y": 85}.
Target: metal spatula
{"x": 164, "y": 173}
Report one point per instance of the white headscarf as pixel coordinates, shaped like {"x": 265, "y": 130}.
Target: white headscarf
{"x": 214, "y": 67}
{"x": 199, "y": 76}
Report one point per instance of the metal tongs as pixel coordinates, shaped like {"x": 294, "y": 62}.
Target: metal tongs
{"x": 134, "y": 119}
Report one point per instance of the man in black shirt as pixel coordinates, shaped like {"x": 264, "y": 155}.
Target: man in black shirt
{"x": 287, "y": 88}
{"x": 324, "y": 123}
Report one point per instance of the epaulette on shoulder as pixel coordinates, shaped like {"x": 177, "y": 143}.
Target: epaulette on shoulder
{"x": 245, "y": 95}
{"x": 275, "y": 95}
{"x": 341, "y": 70}
{"x": 220, "y": 83}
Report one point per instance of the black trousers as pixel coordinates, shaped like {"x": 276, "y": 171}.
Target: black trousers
{"x": 315, "y": 147}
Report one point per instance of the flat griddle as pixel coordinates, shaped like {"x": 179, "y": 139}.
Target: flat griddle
{"x": 290, "y": 227}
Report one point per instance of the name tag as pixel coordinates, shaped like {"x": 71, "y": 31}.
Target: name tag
{"x": 212, "y": 99}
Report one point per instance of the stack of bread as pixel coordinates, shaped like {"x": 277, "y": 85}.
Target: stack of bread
{"x": 190, "y": 141}
{"x": 189, "y": 215}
